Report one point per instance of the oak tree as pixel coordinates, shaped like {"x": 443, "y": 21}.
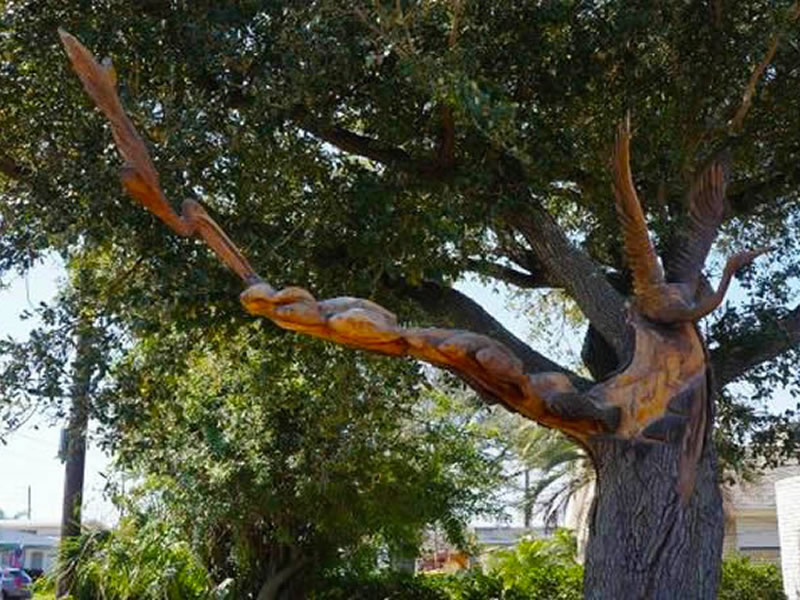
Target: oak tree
{"x": 388, "y": 148}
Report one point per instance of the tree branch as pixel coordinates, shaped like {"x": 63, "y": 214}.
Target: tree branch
{"x": 758, "y": 72}
{"x": 738, "y": 356}
{"x": 456, "y": 309}
{"x": 746, "y": 199}
{"x": 446, "y": 154}
{"x": 10, "y": 168}
{"x": 508, "y": 274}
{"x": 273, "y": 585}
{"x": 575, "y": 271}
{"x": 367, "y": 147}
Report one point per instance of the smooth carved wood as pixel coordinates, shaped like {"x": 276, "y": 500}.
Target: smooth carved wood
{"x": 671, "y": 383}
{"x": 639, "y": 250}
{"x": 662, "y": 395}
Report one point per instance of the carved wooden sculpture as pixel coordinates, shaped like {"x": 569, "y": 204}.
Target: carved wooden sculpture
{"x": 660, "y": 396}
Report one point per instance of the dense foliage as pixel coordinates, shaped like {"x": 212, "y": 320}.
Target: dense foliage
{"x": 743, "y": 579}
{"x": 538, "y": 569}
{"x": 140, "y": 559}
{"x": 122, "y": 565}
{"x": 265, "y": 465}
{"x": 267, "y": 112}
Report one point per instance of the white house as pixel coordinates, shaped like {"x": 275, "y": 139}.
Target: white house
{"x": 752, "y": 516}
{"x": 35, "y": 543}
{"x": 787, "y": 496}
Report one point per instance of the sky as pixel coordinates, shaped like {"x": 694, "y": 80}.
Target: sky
{"x": 29, "y": 458}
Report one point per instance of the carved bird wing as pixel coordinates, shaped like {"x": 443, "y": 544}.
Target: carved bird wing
{"x": 706, "y": 208}
{"x": 639, "y": 251}
{"x": 139, "y": 175}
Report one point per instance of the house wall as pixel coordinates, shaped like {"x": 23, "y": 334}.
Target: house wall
{"x": 787, "y": 499}
{"x": 757, "y": 537}
{"x": 38, "y": 540}
{"x": 40, "y": 558}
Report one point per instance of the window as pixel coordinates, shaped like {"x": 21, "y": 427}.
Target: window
{"x": 37, "y": 560}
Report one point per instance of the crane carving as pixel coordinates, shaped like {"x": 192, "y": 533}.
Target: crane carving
{"x": 660, "y": 396}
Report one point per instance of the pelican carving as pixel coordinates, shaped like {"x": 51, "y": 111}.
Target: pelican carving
{"x": 679, "y": 296}
{"x": 660, "y": 396}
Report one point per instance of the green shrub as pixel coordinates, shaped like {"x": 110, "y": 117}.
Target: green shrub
{"x": 540, "y": 569}
{"x": 140, "y": 560}
{"x": 383, "y": 585}
{"x": 743, "y": 579}
{"x": 537, "y": 569}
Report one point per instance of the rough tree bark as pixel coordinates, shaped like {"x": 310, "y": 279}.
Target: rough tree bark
{"x": 657, "y": 522}
{"x": 283, "y": 571}
{"x": 643, "y": 541}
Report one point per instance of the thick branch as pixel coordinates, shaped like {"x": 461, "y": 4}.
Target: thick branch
{"x": 10, "y": 168}
{"x": 573, "y": 270}
{"x": 740, "y": 355}
{"x": 459, "y": 310}
{"x": 446, "y": 155}
{"x": 367, "y": 147}
{"x": 273, "y": 585}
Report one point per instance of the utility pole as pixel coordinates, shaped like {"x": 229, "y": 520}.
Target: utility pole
{"x": 75, "y": 456}
{"x": 527, "y": 503}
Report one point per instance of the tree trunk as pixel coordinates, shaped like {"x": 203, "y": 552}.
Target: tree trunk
{"x": 278, "y": 587}
{"x": 643, "y": 543}
{"x": 76, "y": 451}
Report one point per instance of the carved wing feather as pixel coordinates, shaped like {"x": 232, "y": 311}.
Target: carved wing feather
{"x": 139, "y": 174}
{"x": 706, "y": 208}
{"x": 639, "y": 251}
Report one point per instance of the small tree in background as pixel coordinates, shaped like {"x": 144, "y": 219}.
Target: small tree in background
{"x": 275, "y": 475}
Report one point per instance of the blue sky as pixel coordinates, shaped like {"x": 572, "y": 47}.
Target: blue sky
{"x": 29, "y": 459}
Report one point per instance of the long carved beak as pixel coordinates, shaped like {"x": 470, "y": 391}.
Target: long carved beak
{"x": 734, "y": 263}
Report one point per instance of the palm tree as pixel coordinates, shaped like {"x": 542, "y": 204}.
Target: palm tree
{"x": 552, "y": 467}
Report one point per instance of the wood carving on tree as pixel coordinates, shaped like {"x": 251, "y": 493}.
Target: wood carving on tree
{"x": 658, "y": 403}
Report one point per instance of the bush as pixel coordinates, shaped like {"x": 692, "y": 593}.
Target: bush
{"x": 540, "y": 569}
{"x": 535, "y": 569}
{"x": 386, "y": 585}
{"x": 142, "y": 559}
{"x": 743, "y": 579}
